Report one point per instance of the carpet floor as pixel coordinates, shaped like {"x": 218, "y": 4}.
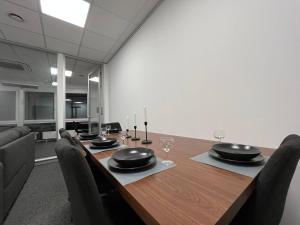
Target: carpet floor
{"x": 44, "y": 149}
{"x": 43, "y": 200}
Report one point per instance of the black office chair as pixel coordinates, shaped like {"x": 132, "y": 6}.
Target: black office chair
{"x": 88, "y": 207}
{"x": 65, "y": 134}
{"x": 115, "y": 127}
{"x": 265, "y": 206}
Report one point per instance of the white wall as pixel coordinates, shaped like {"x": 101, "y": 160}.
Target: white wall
{"x": 204, "y": 64}
{"x": 201, "y": 65}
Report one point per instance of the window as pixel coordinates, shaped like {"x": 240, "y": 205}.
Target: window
{"x": 76, "y": 106}
{"x": 8, "y": 105}
{"x": 39, "y": 105}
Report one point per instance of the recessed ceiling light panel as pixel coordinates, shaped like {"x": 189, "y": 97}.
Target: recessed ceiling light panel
{"x": 53, "y": 70}
{"x": 71, "y": 11}
{"x": 94, "y": 79}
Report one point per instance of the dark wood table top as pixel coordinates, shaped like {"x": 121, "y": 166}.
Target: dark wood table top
{"x": 189, "y": 193}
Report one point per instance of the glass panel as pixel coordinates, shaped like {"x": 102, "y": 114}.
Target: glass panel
{"x": 39, "y": 105}
{"x": 8, "y": 105}
{"x": 76, "y": 106}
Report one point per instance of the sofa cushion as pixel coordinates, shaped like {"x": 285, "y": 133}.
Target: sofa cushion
{"x": 8, "y": 136}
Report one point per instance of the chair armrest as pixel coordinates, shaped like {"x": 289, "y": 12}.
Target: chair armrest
{"x": 1, "y": 194}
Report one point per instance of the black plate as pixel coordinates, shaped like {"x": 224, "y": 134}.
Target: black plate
{"x": 103, "y": 141}
{"x": 236, "y": 151}
{"x": 105, "y": 147}
{"x": 133, "y": 156}
{"x": 260, "y": 159}
{"x": 87, "y": 136}
{"x": 115, "y": 166}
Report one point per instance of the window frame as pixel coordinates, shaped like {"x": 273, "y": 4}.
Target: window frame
{"x": 44, "y": 120}
{"x": 12, "y": 122}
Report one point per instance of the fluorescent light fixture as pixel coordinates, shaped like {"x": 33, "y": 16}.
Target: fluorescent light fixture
{"x": 78, "y": 102}
{"x": 53, "y": 70}
{"x": 68, "y": 100}
{"x": 94, "y": 79}
{"x": 54, "y": 83}
{"x": 71, "y": 11}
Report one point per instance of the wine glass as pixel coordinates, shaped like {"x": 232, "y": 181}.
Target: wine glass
{"x": 166, "y": 144}
{"x": 108, "y": 127}
{"x": 219, "y": 134}
{"x": 123, "y": 136}
{"x": 103, "y": 132}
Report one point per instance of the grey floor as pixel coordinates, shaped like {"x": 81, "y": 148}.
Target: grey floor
{"x": 43, "y": 200}
{"x": 44, "y": 149}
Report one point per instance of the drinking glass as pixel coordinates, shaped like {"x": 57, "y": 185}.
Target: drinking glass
{"x": 107, "y": 129}
{"x": 166, "y": 144}
{"x": 219, "y": 134}
{"x": 103, "y": 132}
{"x": 123, "y": 136}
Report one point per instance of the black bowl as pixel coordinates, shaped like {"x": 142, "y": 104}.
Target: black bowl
{"x": 104, "y": 142}
{"x": 88, "y": 135}
{"x": 133, "y": 156}
{"x": 236, "y": 151}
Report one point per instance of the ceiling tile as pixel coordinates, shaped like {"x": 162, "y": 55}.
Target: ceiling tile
{"x": 127, "y": 9}
{"x": 108, "y": 57}
{"x": 150, "y": 4}
{"x": 97, "y": 41}
{"x": 84, "y": 67}
{"x": 105, "y": 23}
{"x": 61, "y": 46}
{"x": 61, "y": 30}
{"x": 22, "y": 36}
{"x": 31, "y": 4}
{"x": 32, "y": 19}
{"x": 91, "y": 54}
{"x": 1, "y": 34}
{"x": 70, "y": 63}
{"x": 129, "y": 30}
{"x": 116, "y": 47}
{"x": 37, "y": 59}
{"x": 7, "y": 52}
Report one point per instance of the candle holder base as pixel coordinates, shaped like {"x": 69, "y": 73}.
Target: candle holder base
{"x": 135, "y": 139}
{"x": 146, "y": 142}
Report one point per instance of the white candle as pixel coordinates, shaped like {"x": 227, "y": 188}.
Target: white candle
{"x": 134, "y": 119}
{"x": 145, "y": 113}
{"x": 127, "y": 122}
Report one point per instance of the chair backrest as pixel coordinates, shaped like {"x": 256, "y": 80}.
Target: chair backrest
{"x": 61, "y": 130}
{"x": 87, "y": 207}
{"x": 68, "y": 136}
{"x": 266, "y": 205}
{"x": 115, "y": 126}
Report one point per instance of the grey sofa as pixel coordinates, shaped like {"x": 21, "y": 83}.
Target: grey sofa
{"x": 16, "y": 163}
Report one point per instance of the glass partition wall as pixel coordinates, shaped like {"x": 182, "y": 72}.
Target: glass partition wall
{"x": 28, "y": 83}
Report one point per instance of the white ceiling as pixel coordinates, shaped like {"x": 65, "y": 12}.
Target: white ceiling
{"x": 40, "y": 63}
{"x": 109, "y": 24}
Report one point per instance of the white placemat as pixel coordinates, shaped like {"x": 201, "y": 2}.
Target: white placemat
{"x": 127, "y": 178}
{"x": 94, "y": 151}
{"x": 247, "y": 170}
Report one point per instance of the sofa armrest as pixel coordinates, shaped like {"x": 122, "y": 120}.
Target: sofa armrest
{"x": 1, "y": 194}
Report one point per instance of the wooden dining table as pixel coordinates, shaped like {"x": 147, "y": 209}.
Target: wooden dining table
{"x": 189, "y": 193}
